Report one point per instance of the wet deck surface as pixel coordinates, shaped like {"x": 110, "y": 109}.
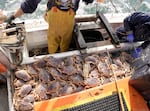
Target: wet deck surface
{"x": 3, "y": 98}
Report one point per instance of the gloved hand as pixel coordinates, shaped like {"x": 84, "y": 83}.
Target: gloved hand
{"x": 136, "y": 53}
{"x": 130, "y": 37}
{"x": 88, "y": 1}
{"x": 10, "y": 19}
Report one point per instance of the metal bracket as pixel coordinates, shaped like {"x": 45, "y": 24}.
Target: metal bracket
{"x": 79, "y": 40}
{"x": 109, "y": 29}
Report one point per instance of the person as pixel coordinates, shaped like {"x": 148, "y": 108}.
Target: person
{"x": 136, "y": 27}
{"x": 60, "y": 16}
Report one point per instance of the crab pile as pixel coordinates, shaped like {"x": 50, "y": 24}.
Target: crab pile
{"x": 51, "y": 77}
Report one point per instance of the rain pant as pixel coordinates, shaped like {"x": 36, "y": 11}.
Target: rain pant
{"x": 61, "y": 24}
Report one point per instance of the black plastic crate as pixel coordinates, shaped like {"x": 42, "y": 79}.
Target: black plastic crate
{"x": 109, "y": 103}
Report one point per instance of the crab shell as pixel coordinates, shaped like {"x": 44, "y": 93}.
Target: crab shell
{"x": 21, "y": 105}
{"x": 25, "y": 90}
{"x": 18, "y": 83}
{"x": 40, "y": 92}
{"x": 23, "y": 74}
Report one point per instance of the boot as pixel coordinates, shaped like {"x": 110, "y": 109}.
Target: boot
{"x": 2, "y": 79}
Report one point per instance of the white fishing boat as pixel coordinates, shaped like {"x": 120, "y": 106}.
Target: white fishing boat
{"x": 92, "y": 34}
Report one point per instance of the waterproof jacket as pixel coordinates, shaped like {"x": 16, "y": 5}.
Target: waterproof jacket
{"x": 29, "y": 6}
{"x": 139, "y": 23}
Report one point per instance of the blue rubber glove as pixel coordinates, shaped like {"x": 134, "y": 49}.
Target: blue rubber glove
{"x": 136, "y": 53}
{"x": 130, "y": 37}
